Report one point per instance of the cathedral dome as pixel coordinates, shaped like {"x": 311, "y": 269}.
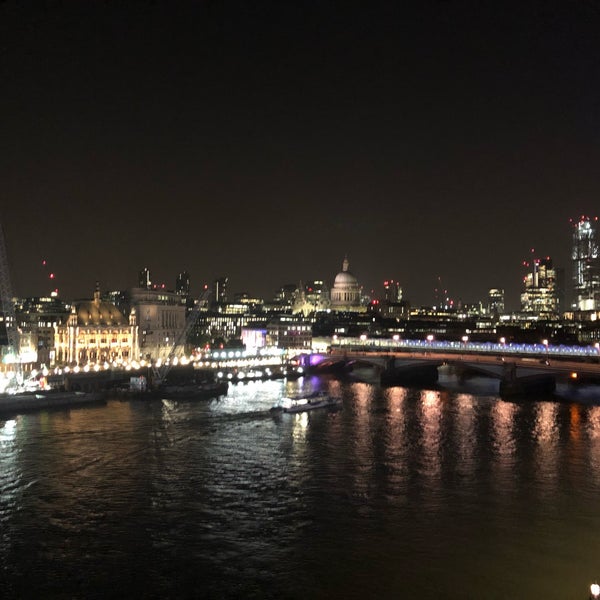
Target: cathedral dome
{"x": 345, "y": 293}
{"x": 345, "y": 278}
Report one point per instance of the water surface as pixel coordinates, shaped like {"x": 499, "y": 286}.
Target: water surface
{"x": 403, "y": 493}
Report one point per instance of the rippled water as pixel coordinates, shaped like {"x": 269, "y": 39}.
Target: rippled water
{"x": 401, "y": 494}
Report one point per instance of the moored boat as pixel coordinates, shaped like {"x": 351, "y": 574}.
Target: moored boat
{"x": 42, "y": 399}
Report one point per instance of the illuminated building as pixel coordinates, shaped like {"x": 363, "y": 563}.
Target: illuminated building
{"x": 161, "y": 319}
{"x": 37, "y": 319}
{"x": 392, "y": 292}
{"x": 392, "y": 305}
{"x": 540, "y": 294}
{"x": 586, "y": 272}
{"x": 345, "y": 293}
{"x": 495, "y": 305}
{"x": 254, "y": 339}
{"x": 223, "y": 323}
{"x": 182, "y": 284}
{"x": 496, "y": 301}
{"x": 317, "y": 294}
{"x": 287, "y": 332}
{"x": 96, "y": 332}
{"x": 286, "y": 295}
{"x": 220, "y": 289}
{"x": 311, "y": 297}
{"x": 144, "y": 280}
{"x": 250, "y": 302}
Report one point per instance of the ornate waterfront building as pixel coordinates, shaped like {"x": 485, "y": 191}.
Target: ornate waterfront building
{"x": 96, "y": 332}
{"x": 345, "y": 293}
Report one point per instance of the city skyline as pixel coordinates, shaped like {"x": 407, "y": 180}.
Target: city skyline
{"x": 264, "y": 143}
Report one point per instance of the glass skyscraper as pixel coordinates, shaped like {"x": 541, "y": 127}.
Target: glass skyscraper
{"x": 586, "y": 271}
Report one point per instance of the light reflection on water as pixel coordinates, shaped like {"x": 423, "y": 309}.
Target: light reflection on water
{"x": 401, "y": 494}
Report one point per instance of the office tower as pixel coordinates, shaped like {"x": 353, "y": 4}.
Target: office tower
{"x": 220, "y": 289}
{"x": 286, "y": 294}
{"x": 182, "y": 284}
{"x": 392, "y": 292}
{"x": 540, "y": 294}
{"x": 316, "y": 293}
{"x": 586, "y": 272}
{"x": 144, "y": 279}
{"x": 496, "y": 301}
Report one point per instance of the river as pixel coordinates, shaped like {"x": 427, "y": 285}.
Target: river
{"x": 403, "y": 493}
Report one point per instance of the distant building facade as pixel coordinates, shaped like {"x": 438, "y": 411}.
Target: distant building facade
{"x": 161, "y": 317}
{"x": 289, "y": 333}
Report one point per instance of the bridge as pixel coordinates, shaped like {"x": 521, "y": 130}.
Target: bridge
{"x": 520, "y": 368}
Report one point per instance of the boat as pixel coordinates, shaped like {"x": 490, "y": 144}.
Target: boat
{"x": 308, "y": 402}
{"x": 43, "y": 399}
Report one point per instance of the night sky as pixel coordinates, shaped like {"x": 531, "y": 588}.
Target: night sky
{"x": 263, "y": 141}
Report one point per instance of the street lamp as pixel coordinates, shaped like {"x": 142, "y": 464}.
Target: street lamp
{"x": 594, "y": 591}
{"x": 545, "y": 342}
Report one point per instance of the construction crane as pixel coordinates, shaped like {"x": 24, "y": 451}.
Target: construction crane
{"x": 160, "y": 373}
{"x": 7, "y": 305}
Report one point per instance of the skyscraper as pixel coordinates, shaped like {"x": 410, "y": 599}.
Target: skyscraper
{"x": 586, "y": 271}
{"x": 540, "y": 294}
{"x": 496, "y": 301}
{"x": 392, "y": 292}
{"x": 182, "y": 284}
{"x": 144, "y": 279}
{"x": 220, "y": 289}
